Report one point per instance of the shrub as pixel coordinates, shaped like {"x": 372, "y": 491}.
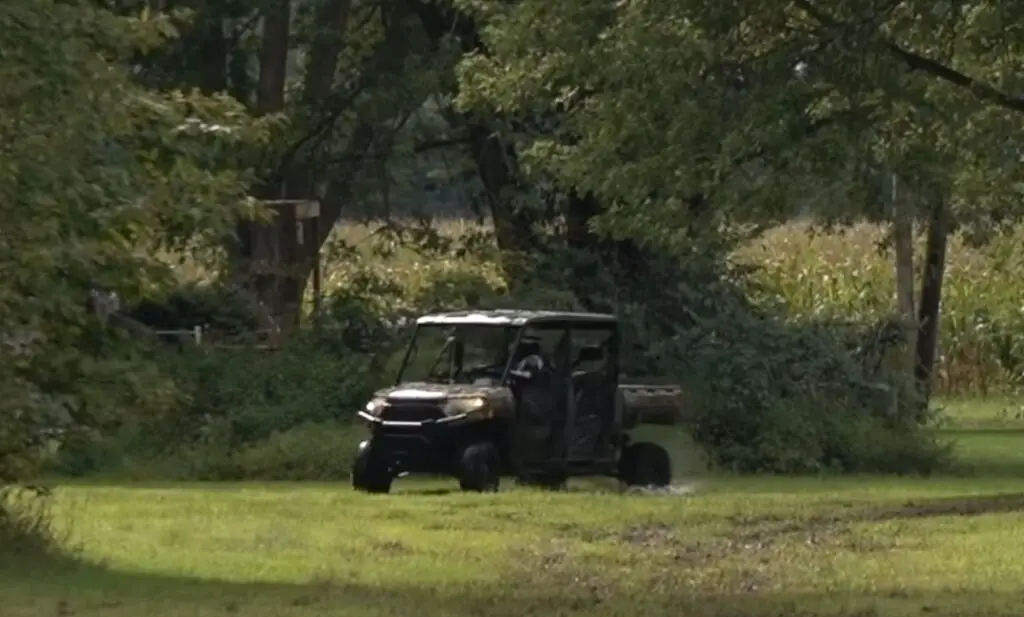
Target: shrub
{"x": 780, "y": 397}
{"x": 238, "y": 406}
{"x": 311, "y": 451}
{"x": 27, "y": 534}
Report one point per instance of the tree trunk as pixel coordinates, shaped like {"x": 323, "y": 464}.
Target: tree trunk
{"x": 903, "y": 249}
{"x": 301, "y": 169}
{"x": 274, "y": 56}
{"x": 931, "y": 297}
{"x": 265, "y": 247}
{"x": 272, "y": 260}
{"x": 325, "y": 49}
{"x": 626, "y": 260}
{"x": 494, "y": 159}
{"x": 213, "y": 49}
{"x": 513, "y": 227}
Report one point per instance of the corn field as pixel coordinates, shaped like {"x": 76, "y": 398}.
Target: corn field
{"x": 849, "y": 275}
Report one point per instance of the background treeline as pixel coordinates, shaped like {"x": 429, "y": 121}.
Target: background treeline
{"x": 807, "y": 215}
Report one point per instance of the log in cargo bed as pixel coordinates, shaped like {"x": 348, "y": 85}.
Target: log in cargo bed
{"x": 660, "y": 404}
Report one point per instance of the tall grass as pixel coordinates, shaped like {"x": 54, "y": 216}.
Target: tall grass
{"x": 850, "y": 275}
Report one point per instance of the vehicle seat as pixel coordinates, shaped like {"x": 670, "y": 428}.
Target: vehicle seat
{"x": 588, "y": 379}
{"x": 590, "y": 391}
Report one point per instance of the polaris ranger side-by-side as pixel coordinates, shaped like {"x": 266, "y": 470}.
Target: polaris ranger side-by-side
{"x": 533, "y": 394}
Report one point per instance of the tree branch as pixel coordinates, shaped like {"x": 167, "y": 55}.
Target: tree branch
{"x": 436, "y": 144}
{"x": 917, "y": 62}
{"x": 980, "y": 89}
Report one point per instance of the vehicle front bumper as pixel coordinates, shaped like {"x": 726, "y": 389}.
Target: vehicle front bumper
{"x": 427, "y": 446}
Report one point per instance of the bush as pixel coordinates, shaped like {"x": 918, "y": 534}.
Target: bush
{"x": 27, "y": 534}
{"x": 238, "y": 407}
{"x": 780, "y": 397}
{"x": 311, "y": 451}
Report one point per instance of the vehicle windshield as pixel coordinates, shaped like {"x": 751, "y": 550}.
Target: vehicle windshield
{"x": 441, "y": 353}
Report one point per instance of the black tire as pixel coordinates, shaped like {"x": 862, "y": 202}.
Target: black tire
{"x": 369, "y": 473}
{"x": 645, "y": 464}
{"x": 479, "y": 468}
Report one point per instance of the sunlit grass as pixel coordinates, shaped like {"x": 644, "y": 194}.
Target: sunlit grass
{"x": 752, "y": 546}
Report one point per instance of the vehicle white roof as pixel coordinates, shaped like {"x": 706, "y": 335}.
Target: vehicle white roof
{"x": 514, "y": 317}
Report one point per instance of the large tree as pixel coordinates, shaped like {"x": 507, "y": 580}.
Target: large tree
{"x": 96, "y": 175}
{"x": 689, "y": 116}
{"x": 344, "y": 77}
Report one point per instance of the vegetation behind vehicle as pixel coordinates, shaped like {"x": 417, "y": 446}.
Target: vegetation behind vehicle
{"x": 600, "y": 205}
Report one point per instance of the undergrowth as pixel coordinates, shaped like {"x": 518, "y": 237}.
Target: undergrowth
{"x": 28, "y": 535}
{"x": 770, "y": 394}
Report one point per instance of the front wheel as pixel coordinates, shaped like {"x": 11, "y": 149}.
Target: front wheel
{"x": 369, "y": 473}
{"x": 645, "y": 464}
{"x": 480, "y": 468}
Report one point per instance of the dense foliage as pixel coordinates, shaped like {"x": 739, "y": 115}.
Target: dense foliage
{"x": 622, "y": 152}
{"x": 95, "y": 173}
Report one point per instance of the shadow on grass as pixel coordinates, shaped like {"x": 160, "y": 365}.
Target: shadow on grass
{"x": 987, "y": 431}
{"x": 775, "y": 528}
{"x": 430, "y": 491}
{"x": 524, "y": 583}
{"x": 95, "y": 590}
{"x": 989, "y": 452}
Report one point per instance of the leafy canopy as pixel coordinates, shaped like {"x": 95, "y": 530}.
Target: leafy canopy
{"x": 761, "y": 109}
{"x": 95, "y": 174}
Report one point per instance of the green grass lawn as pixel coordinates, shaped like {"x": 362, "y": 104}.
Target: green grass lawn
{"x": 856, "y": 546}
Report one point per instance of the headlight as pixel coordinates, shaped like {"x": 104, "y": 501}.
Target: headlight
{"x": 375, "y": 405}
{"x": 465, "y": 405}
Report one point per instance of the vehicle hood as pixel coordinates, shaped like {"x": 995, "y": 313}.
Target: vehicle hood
{"x": 436, "y": 392}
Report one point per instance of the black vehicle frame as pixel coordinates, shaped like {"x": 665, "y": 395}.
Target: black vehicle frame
{"x": 543, "y": 421}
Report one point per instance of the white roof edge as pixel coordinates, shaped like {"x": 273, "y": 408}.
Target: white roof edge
{"x": 470, "y": 318}
{"x": 511, "y": 318}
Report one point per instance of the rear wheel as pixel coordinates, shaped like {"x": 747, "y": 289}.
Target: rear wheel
{"x": 479, "y": 468}
{"x": 370, "y": 474}
{"x": 645, "y": 464}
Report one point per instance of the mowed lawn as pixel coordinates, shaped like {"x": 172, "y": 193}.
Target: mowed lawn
{"x": 752, "y": 546}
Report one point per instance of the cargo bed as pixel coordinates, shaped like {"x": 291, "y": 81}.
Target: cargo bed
{"x": 660, "y": 404}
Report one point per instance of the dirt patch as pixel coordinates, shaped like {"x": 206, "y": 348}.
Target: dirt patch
{"x": 657, "y": 535}
{"x": 391, "y": 547}
{"x": 953, "y": 506}
{"x": 761, "y": 538}
{"x": 847, "y": 514}
{"x": 569, "y": 580}
{"x": 759, "y": 543}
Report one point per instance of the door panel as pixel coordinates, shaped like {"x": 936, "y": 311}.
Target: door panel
{"x": 595, "y": 417}
{"x": 540, "y": 421}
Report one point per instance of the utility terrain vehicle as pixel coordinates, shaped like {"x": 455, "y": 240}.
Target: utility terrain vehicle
{"x": 534, "y": 394}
